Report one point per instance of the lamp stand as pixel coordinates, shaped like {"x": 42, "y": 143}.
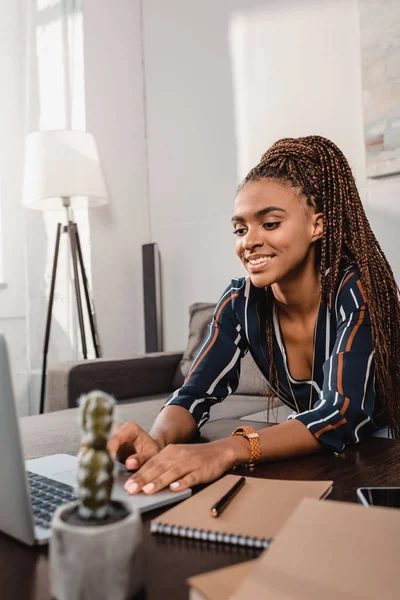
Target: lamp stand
{"x": 77, "y": 262}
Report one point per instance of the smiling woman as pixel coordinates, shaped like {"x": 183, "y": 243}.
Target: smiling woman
{"x": 319, "y": 312}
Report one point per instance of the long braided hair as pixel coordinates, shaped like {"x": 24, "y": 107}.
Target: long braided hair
{"x": 320, "y": 169}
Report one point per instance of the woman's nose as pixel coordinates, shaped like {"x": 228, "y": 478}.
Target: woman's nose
{"x": 251, "y": 240}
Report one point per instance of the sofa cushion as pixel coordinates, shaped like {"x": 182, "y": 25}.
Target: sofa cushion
{"x": 251, "y": 381}
{"x": 200, "y": 315}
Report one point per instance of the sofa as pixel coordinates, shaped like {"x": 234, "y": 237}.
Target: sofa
{"x": 140, "y": 385}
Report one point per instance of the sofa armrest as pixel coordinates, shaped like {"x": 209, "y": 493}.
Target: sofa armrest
{"x": 123, "y": 378}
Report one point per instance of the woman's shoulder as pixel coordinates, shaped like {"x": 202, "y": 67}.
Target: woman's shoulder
{"x": 350, "y": 295}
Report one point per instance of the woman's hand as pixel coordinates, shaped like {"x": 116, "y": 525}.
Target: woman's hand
{"x": 180, "y": 466}
{"x": 132, "y": 445}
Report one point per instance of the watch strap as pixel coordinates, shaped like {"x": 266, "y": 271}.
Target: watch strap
{"x": 253, "y": 438}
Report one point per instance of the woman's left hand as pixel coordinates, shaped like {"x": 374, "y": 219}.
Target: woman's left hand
{"x": 183, "y": 465}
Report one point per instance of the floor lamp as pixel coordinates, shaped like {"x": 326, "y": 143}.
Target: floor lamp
{"x": 62, "y": 169}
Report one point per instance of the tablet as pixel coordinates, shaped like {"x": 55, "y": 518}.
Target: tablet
{"x": 379, "y": 496}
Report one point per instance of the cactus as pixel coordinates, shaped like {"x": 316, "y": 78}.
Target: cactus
{"x": 95, "y": 472}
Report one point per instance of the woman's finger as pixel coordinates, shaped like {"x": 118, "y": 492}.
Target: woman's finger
{"x": 136, "y": 461}
{"x": 150, "y": 461}
{"x": 153, "y": 483}
{"x": 172, "y": 478}
{"x": 122, "y": 434}
{"x": 185, "y": 482}
{"x": 154, "y": 477}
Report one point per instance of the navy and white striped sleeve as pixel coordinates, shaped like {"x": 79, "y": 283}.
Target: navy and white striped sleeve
{"x": 215, "y": 371}
{"x": 344, "y": 412}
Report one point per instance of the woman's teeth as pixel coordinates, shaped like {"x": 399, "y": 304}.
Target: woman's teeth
{"x": 258, "y": 261}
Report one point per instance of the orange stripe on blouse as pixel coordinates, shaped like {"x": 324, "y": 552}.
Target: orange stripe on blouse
{"x": 355, "y": 329}
{"x": 214, "y": 336}
{"x": 348, "y": 347}
{"x": 345, "y": 406}
{"x": 360, "y": 287}
{"x": 329, "y": 427}
{"x": 346, "y": 279}
{"x": 340, "y": 373}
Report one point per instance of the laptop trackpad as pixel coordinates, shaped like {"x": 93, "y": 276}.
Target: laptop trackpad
{"x": 60, "y": 467}
{"x": 63, "y": 467}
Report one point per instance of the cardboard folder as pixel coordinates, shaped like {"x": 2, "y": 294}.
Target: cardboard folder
{"x": 330, "y": 550}
{"x": 326, "y": 550}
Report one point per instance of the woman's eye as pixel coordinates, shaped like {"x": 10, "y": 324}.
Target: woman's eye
{"x": 271, "y": 225}
{"x": 240, "y": 231}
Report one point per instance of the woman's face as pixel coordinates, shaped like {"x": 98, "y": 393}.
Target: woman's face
{"x": 275, "y": 229}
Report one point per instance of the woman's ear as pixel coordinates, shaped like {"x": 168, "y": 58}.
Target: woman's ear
{"x": 318, "y": 226}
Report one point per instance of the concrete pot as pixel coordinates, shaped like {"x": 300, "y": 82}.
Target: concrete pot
{"x": 101, "y": 562}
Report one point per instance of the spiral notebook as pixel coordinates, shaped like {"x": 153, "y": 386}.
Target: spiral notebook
{"x": 251, "y": 519}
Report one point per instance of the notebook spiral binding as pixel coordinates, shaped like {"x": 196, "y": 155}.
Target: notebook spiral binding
{"x": 209, "y": 536}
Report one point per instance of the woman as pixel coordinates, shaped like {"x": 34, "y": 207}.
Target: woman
{"x": 319, "y": 312}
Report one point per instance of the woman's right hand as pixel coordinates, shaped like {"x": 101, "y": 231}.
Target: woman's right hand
{"x": 132, "y": 445}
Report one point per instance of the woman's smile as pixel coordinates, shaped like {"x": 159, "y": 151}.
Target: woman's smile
{"x": 258, "y": 262}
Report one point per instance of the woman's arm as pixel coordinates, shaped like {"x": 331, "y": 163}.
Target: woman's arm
{"x": 184, "y": 465}
{"x": 290, "y": 438}
{"x": 174, "y": 424}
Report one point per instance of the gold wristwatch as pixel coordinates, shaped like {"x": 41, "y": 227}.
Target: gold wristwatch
{"x": 255, "y": 449}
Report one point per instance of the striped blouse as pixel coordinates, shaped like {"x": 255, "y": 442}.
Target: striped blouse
{"x": 342, "y": 389}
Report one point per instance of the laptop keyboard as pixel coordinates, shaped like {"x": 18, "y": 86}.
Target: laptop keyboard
{"x": 46, "y": 496}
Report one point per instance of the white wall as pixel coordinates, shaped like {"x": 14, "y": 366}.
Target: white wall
{"x": 224, "y": 80}
{"x": 12, "y": 234}
{"x": 297, "y": 72}
{"x": 192, "y": 152}
{"x": 382, "y": 195}
{"x": 115, "y": 115}
{"x": 382, "y": 208}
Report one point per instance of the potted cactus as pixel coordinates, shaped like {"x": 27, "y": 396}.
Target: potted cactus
{"x": 95, "y": 547}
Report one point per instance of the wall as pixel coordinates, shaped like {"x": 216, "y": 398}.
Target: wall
{"x": 378, "y": 30}
{"x": 223, "y": 81}
{"x": 115, "y": 115}
{"x": 12, "y": 234}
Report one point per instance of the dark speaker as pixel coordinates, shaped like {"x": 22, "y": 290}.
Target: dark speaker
{"x": 152, "y": 297}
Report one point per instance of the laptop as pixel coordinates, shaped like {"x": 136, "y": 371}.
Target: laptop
{"x": 32, "y": 490}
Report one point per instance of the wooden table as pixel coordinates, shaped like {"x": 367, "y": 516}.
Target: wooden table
{"x": 170, "y": 561}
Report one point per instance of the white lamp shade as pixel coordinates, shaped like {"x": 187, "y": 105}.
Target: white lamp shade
{"x": 62, "y": 164}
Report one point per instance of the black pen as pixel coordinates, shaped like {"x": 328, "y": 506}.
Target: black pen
{"x": 219, "y": 506}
